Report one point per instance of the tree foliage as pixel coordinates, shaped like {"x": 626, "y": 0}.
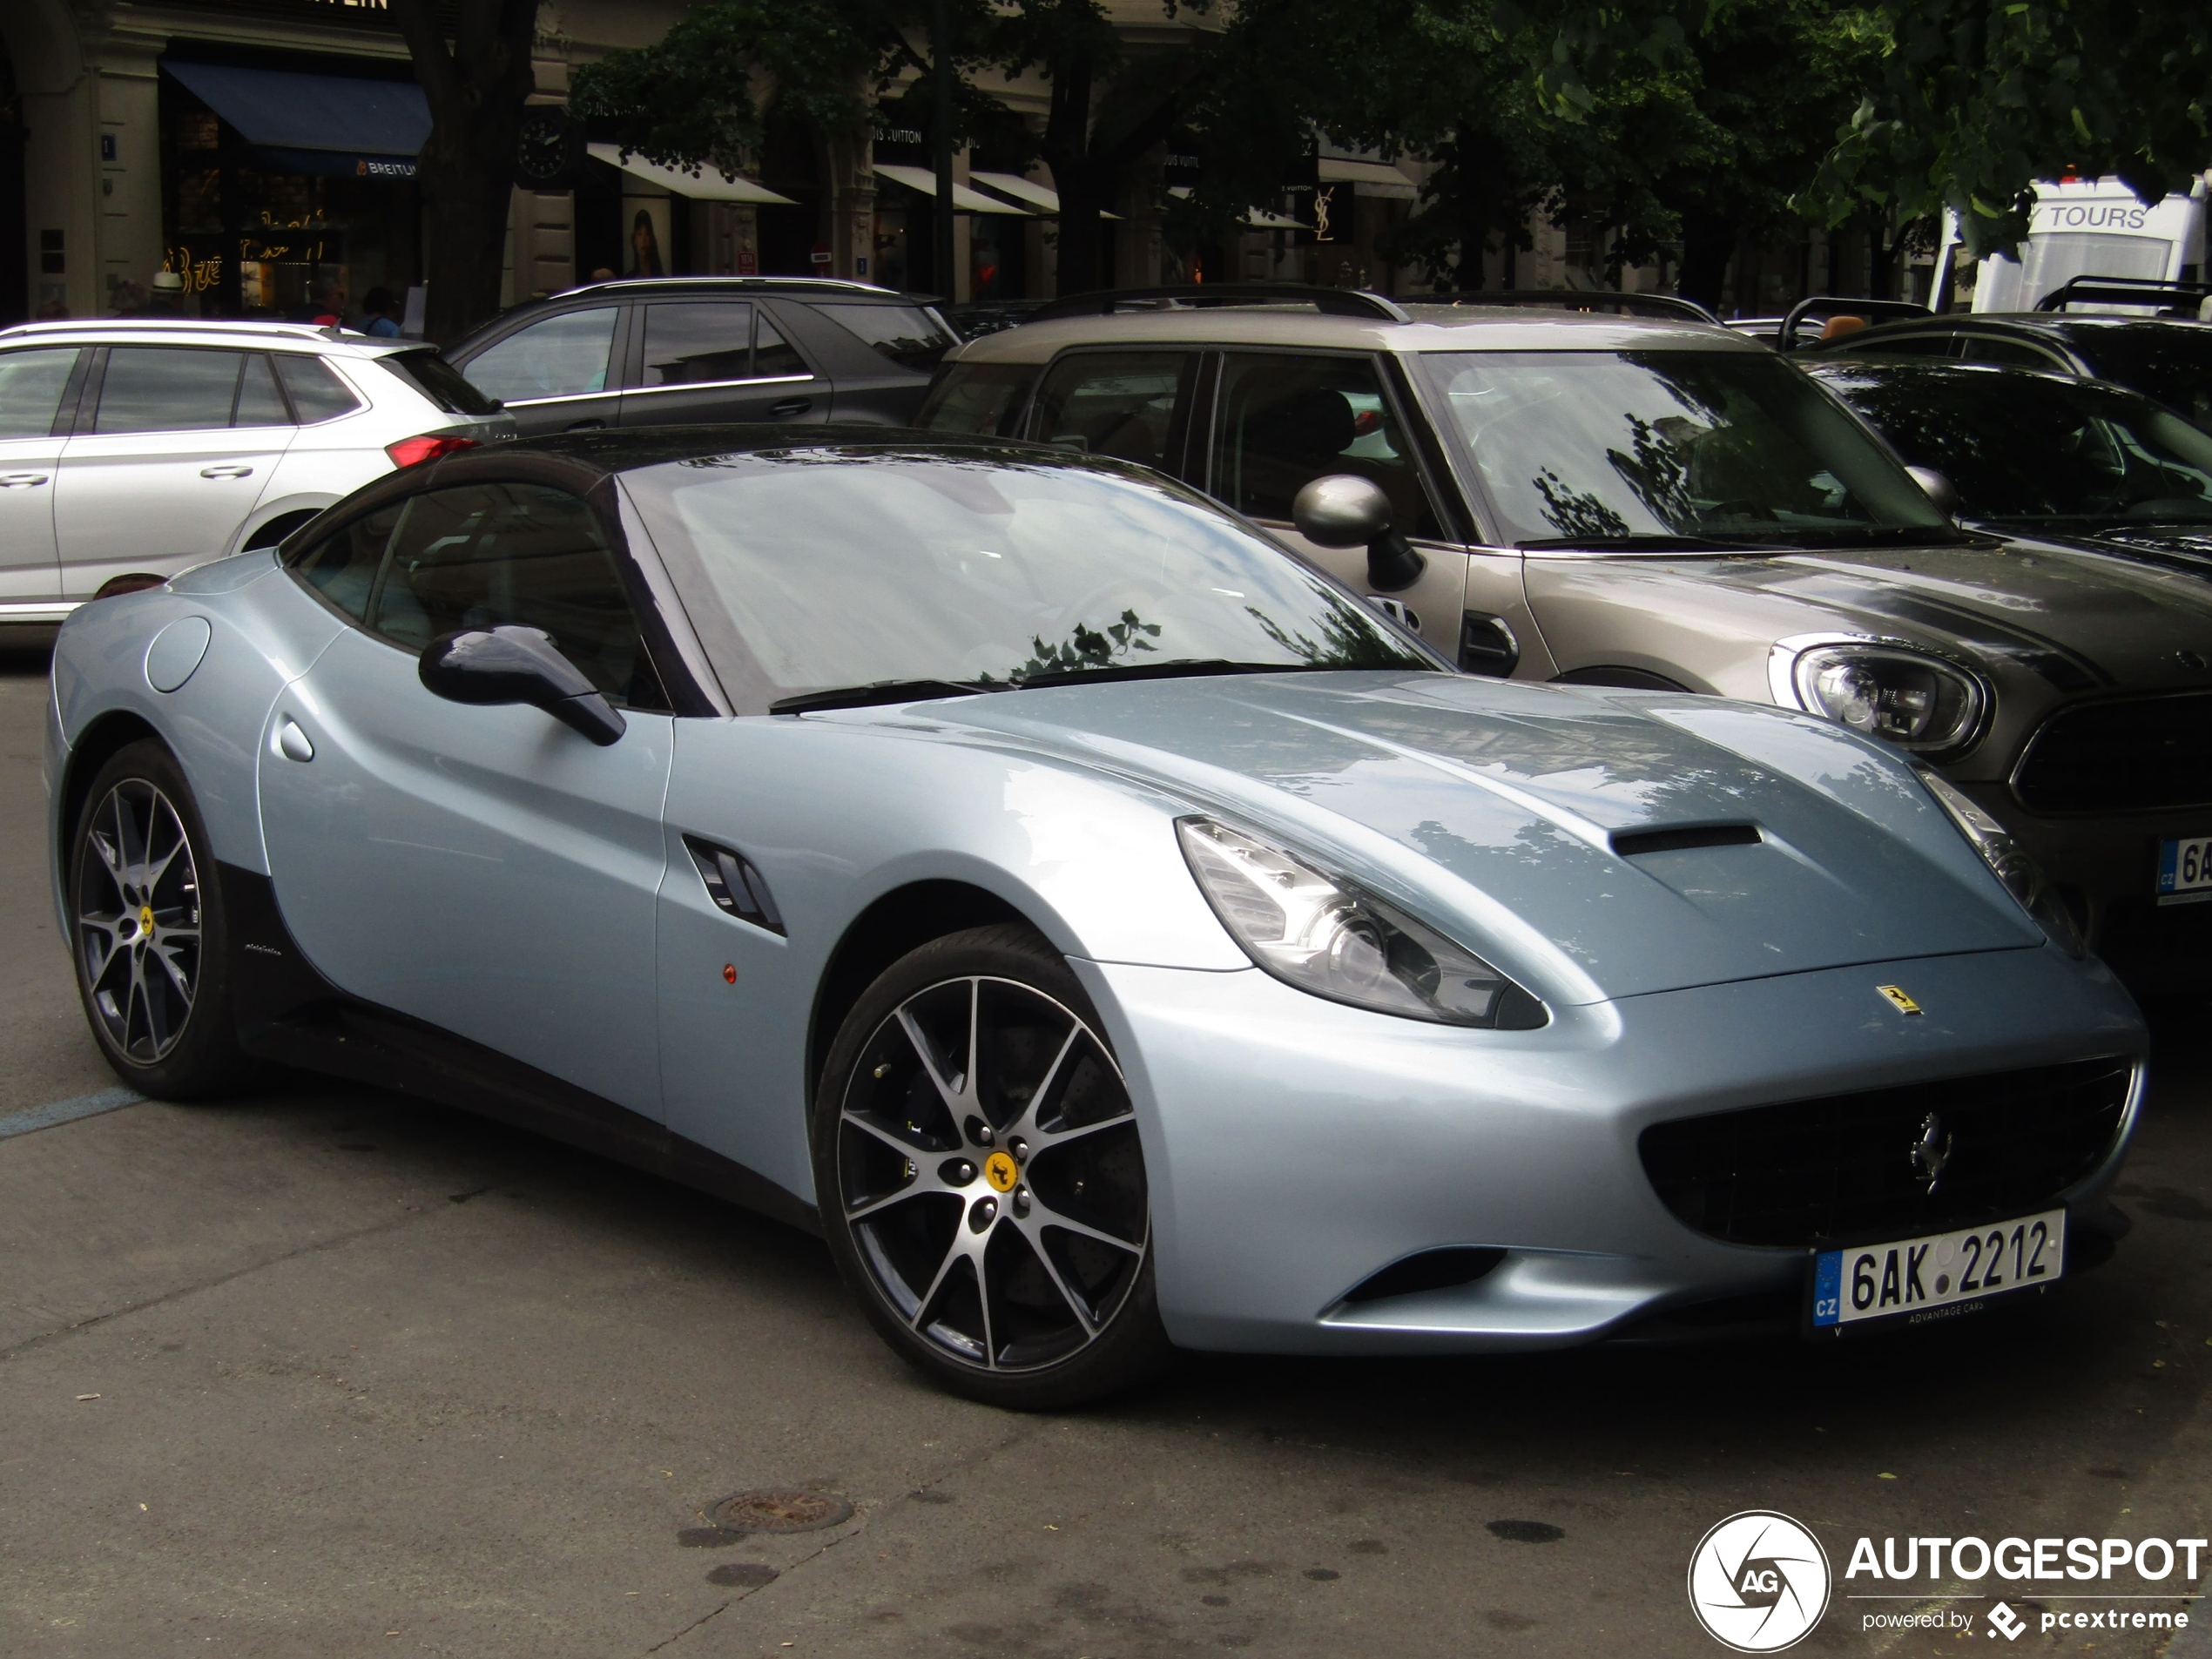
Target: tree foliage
{"x": 701, "y": 95}
{"x": 1975, "y": 99}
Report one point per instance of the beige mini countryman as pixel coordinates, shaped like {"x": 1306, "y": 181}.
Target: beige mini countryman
{"x": 1655, "y": 503}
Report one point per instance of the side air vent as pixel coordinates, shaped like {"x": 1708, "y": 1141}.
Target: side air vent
{"x": 1432, "y": 1270}
{"x": 1631, "y": 843}
{"x": 734, "y": 885}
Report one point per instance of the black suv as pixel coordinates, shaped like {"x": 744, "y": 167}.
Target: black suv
{"x": 687, "y": 350}
{"x": 2167, "y": 357}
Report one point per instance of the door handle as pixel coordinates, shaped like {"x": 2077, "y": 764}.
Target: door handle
{"x": 584, "y": 426}
{"x": 790, "y": 406}
{"x": 291, "y": 742}
{"x": 230, "y": 470}
{"x": 22, "y": 480}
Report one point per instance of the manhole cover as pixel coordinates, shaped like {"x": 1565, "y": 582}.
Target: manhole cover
{"x": 780, "y": 1511}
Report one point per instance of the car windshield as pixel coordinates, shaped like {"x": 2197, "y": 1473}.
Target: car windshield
{"x": 2171, "y": 362}
{"x": 1576, "y": 448}
{"x": 2035, "y": 446}
{"x": 811, "y": 570}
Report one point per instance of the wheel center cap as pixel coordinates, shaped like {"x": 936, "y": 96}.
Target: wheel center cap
{"x": 1001, "y": 1171}
{"x": 145, "y": 919}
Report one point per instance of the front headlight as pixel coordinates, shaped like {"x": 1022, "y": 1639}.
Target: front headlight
{"x": 2022, "y": 876}
{"x": 1904, "y": 697}
{"x": 1328, "y": 937}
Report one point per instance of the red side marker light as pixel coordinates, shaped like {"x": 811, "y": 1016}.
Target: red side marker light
{"x": 729, "y": 973}
{"x": 413, "y": 452}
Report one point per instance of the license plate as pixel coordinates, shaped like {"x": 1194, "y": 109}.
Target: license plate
{"x": 2185, "y": 871}
{"x": 1940, "y": 1277}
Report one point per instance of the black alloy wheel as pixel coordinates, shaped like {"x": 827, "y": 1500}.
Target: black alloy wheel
{"x": 980, "y": 1177}
{"x": 148, "y": 935}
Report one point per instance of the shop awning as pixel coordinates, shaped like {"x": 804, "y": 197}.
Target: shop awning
{"x": 1368, "y": 177}
{"x": 325, "y": 124}
{"x": 1043, "y": 198}
{"x": 1257, "y": 219}
{"x": 711, "y": 185}
{"x": 967, "y": 200}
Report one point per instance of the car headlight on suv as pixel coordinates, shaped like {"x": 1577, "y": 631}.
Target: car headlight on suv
{"x": 2012, "y": 864}
{"x": 1326, "y": 935}
{"x": 1909, "y": 697}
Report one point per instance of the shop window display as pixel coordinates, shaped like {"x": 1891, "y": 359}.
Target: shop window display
{"x": 248, "y": 238}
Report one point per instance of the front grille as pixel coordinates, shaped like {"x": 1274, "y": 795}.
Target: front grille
{"x": 2136, "y": 754}
{"x": 1843, "y": 1167}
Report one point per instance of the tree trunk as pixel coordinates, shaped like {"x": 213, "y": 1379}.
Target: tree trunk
{"x": 1707, "y": 241}
{"x": 477, "y": 90}
{"x": 1066, "y": 146}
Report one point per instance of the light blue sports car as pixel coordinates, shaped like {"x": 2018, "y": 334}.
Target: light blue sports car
{"x": 1109, "y": 933}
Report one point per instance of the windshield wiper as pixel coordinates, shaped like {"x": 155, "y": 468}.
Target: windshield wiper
{"x": 1884, "y": 535}
{"x": 1187, "y": 668}
{"x": 875, "y": 694}
{"x": 1641, "y": 542}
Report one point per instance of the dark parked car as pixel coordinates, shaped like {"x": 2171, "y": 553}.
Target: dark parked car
{"x": 2046, "y": 456}
{"x": 2163, "y": 358}
{"x": 685, "y": 351}
{"x": 981, "y": 317}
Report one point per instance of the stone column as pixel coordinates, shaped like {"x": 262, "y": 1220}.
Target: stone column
{"x": 851, "y": 179}
{"x": 1137, "y": 242}
{"x": 128, "y": 153}
{"x": 60, "y": 156}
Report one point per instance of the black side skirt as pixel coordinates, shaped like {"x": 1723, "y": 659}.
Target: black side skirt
{"x": 288, "y": 1012}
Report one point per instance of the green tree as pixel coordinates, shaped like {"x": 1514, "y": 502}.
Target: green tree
{"x": 1975, "y": 99}
{"x": 701, "y": 96}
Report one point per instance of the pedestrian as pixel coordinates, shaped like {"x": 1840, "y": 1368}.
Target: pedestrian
{"x": 167, "y": 299}
{"x": 380, "y": 314}
{"x": 604, "y": 273}
{"x": 326, "y": 305}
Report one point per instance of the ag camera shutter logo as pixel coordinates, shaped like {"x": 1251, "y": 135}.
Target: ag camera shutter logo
{"x": 1758, "y": 1581}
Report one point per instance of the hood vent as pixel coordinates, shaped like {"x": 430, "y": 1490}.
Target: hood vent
{"x": 1632, "y": 843}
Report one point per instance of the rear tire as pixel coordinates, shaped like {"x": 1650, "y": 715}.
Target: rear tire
{"x": 981, "y": 1179}
{"x": 148, "y": 932}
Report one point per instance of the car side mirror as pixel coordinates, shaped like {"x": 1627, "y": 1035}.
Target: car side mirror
{"x": 515, "y": 664}
{"x": 1346, "y": 510}
{"x": 1940, "y": 490}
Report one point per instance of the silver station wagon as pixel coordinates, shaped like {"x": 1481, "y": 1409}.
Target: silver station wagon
{"x": 1665, "y": 505}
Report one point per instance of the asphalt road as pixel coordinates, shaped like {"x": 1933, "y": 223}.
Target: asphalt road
{"x": 323, "y": 1372}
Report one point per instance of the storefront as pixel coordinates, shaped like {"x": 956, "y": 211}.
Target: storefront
{"x": 272, "y": 178}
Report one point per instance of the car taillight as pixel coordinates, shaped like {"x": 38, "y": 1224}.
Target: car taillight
{"x": 413, "y": 452}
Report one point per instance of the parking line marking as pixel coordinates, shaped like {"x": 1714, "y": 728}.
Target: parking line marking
{"x": 66, "y": 1111}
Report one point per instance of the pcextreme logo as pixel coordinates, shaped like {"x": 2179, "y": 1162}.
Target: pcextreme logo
{"x": 1758, "y": 1581}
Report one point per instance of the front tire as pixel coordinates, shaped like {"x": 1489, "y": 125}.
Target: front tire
{"x": 148, "y": 931}
{"x": 981, "y": 1179}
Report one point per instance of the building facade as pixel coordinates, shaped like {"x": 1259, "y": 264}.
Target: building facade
{"x": 248, "y": 148}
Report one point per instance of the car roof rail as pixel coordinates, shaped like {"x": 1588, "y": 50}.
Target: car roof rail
{"x": 257, "y": 327}
{"x": 794, "y": 284}
{"x": 2127, "y": 291}
{"x": 1836, "y": 305}
{"x": 1333, "y": 302}
{"x": 1591, "y": 300}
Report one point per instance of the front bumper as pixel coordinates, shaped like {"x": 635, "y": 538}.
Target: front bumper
{"x": 2107, "y": 866}
{"x": 1295, "y": 1147}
